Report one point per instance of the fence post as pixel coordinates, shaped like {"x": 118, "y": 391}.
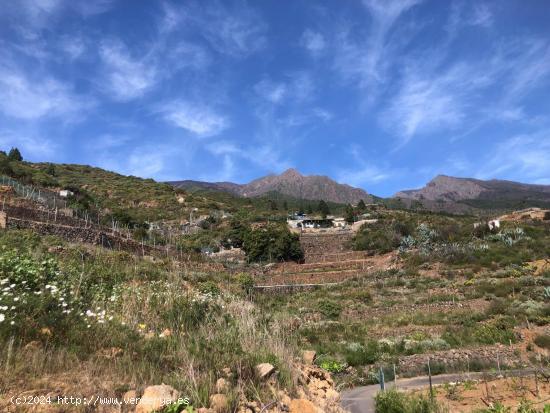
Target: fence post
{"x": 382, "y": 383}
{"x": 394, "y": 377}
{"x": 430, "y": 380}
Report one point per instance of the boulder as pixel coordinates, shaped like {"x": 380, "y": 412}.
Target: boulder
{"x": 302, "y": 406}
{"x": 219, "y": 403}
{"x": 129, "y": 401}
{"x": 156, "y": 397}
{"x": 264, "y": 370}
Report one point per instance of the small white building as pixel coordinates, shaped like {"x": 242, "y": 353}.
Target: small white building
{"x": 65, "y": 193}
{"x": 339, "y": 223}
{"x": 493, "y": 224}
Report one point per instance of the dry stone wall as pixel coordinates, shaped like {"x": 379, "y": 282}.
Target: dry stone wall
{"x": 459, "y": 359}
{"x": 81, "y": 234}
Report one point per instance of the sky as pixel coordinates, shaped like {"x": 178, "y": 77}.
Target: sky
{"x": 379, "y": 94}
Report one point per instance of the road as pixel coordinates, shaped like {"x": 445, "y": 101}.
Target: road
{"x": 361, "y": 399}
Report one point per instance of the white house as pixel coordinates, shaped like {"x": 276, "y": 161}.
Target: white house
{"x": 65, "y": 193}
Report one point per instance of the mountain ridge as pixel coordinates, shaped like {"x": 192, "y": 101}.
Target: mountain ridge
{"x": 290, "y": 182}
{"x": 456, "y": 189}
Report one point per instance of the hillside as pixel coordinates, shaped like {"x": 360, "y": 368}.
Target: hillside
{"x": 290, "y": 182}
{"x": 130, "y": 198}
{"x": 476, "y": 193}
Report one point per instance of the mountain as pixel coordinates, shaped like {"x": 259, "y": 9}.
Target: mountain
{"x": 291, "y": 183}
{"x": 478, "y": 193}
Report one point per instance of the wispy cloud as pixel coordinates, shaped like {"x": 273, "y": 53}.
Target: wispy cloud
{"x": 314, "y": 42}
{"x": 267, "y": 156}
{"x": 363, "y": 176}
{"x": 366, "y": 57}
{"x": 520, "y": 157}
{"x": 235, "y": 30}
{"x": 26, "y": 97}
{"x": 363, "y": 172}
{"x": 200, "y": 120}
{"x": 297, "y": 86}
{"x": 127, "y": 77}
{"x": 482, "y": 15}
{"x": 36, "y": 147}
{"x": 435, "y": 97}
{"x": 273, "y": 92}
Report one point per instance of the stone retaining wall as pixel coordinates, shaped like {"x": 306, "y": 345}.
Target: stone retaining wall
{"x": 81, "y": 234}
{"x": 460, "y": 359}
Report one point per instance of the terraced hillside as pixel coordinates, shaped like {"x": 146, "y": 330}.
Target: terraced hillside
{"x": 328, "y": 258}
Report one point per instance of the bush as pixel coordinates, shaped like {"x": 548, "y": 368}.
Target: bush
{"x": 330, "y": 365}
{"x": 272, "y": 243}
{"x": 392, "y": 401}
{"x": 330, "y": 309}
{"x": 361, "y": 355}
{"x": 543, "y": 341}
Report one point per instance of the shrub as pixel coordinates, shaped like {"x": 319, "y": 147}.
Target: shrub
{"x": 330, "y": 309}
{"x": 543, "y": 341}
{"x": 272, "y": 243}
{"x": 246, "y": 282}
{"x": 359, "y": 355}
{"x": 330, "y": 365}
{"x": 393, "y": 401}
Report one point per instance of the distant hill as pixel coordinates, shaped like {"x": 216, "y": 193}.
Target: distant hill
{"x": 491, "y": 194}
{"x": 291, "y": 183}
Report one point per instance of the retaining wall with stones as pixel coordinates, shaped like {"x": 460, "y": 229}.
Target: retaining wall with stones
{"x": 460, "y": 359}
{"x": 81, "y": 234}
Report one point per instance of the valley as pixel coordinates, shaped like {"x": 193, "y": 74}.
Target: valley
{"x": 225, "y": 300}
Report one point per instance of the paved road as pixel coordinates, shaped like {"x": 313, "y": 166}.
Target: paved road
{"x": 361, "y": 399}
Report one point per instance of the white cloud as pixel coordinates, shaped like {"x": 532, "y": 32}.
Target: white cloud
{"x": 73, "y": 46}
{"x": 28, "y": 98}
{"x": 271, "y": 91}
{"x": 425, "y": 104}
{"x": 367, "y": 58}
{"x": 482, "y": 16}
{"x": 298, "y": 86}
{"x": 434, "y": 97}
{"x": 314, "y": 42}
{"x": 195, "y": 118}
{"x": 126, "y": 77}
{"x": 368, "y": 174}
{"x": 522, "y": 157}
{"x": 234, "y": 30}
{"x": 37, "y": 148}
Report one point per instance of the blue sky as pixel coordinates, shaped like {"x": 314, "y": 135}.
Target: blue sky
{"x": 381, "y": 94}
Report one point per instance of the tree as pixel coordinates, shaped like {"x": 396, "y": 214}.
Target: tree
{"x": 273, "y": 205}
{"x": 272, "y": 243}
{"x": 361, "y": 207}
{"x": 323, "y": 208}
{"x": 309, "y": 209}
{"x": 15, "y": 155}
{"x": 285, "y": 206}
{"x": 349, "y": 215}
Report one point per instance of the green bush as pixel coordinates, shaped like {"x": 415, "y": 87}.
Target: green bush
{"x": 330, "y": 309}
{"x": 543, "y": 341}
{"x": 272, "y": 243}
{"x": 392, "y": 401}
{"x": 330, "y": 365}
